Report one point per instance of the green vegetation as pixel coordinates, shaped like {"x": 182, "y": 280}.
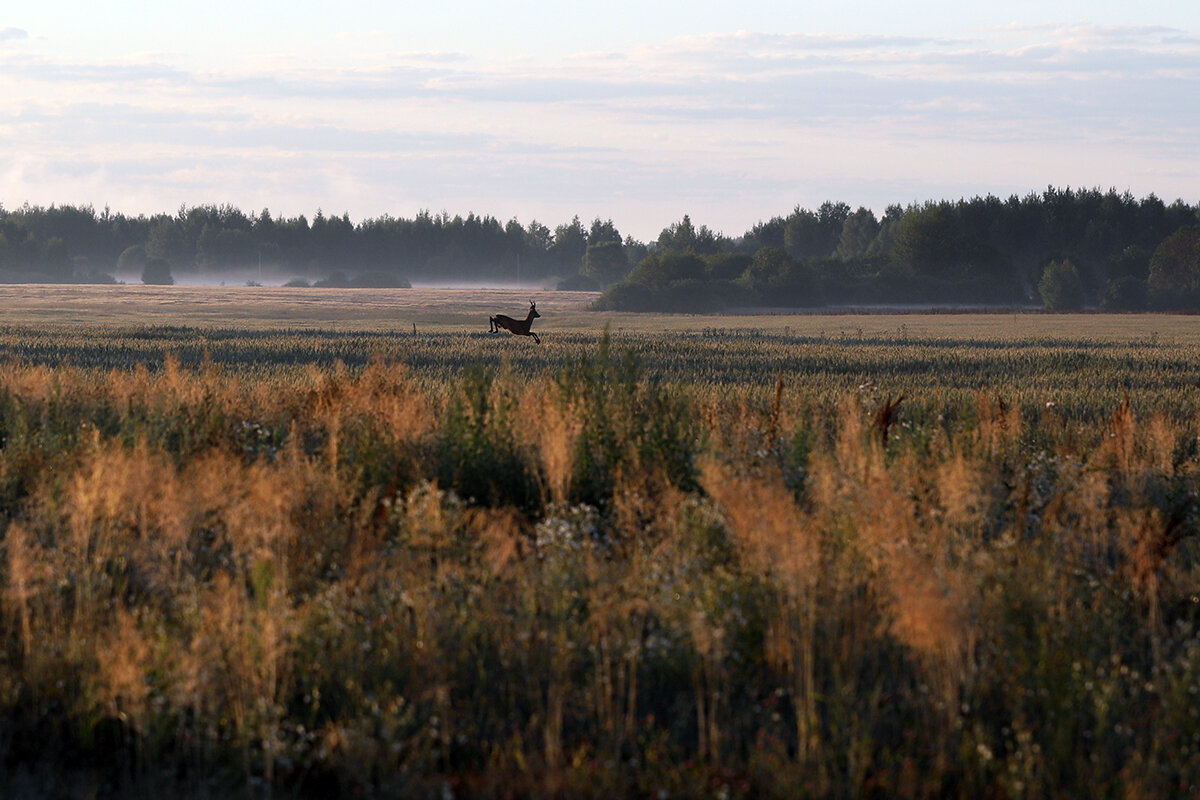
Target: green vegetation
{"x": 67, "y": 244}
{"x": 1061, "y": 287}
{"x": 982, "y": 251}
{"x": 157, "y": 272}
{"x": 902, "y": 556}
{"x": 1175, "y": 268}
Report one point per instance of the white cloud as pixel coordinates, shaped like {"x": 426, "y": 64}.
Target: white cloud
{"x": 741, "y": 125}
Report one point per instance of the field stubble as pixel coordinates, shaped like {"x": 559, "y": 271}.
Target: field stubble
{"x": 906, "y": 556}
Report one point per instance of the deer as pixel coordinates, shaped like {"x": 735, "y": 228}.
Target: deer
{"x": 517, "y": 327}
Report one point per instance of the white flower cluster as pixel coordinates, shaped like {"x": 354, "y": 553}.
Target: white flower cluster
{"x": 568, "y": 532}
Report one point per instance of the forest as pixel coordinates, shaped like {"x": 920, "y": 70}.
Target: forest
{"x": 1062, "y": 248}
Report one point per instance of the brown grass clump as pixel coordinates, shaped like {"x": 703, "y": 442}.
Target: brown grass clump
{"x": 1122, "y": 443}
{"x": 999, "y": 423}
{"x": 235, "y": 663}
{"x": 960, "y": 493}
{"x": 767, "y": 525}
{"x": 909, "y": 531}
{"x": 117, "y": 496}
{"x": 555, "y": 434}
{"x": 26, "y": 571}
{"x": 123, "y": 659}
{"x": 502, "y": 536}
{"x": 778, "y": 541}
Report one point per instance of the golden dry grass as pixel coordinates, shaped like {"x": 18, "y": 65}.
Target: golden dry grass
{"x": 566, "y": 576}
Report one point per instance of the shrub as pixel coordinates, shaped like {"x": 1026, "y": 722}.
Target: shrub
{"x": 336, "y": 280}
{"x": 1175, "y": 269}
{"x": 727, "y": 266}
{"x": 379, "y": 280}
{"x": 579, "y": 283}
{"x": 1125, "y": 294}
{"x": 605, "y": 262}
{"x": 132, "y": 258}
{"x": 628, "y": 424}
{"x": 157, "y": 272}
{"x": 626, "y": 296}
{"x": 478, "y": 453}
{"x": 659, "y": 270}
{"x": 1061, "y": 287}
{"x": 777, "y": 279}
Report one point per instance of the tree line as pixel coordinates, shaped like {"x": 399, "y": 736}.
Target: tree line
{"x": 1066, "y": 248}
{"x": 78, "y": 244}
{"x": 1061, "y": 248}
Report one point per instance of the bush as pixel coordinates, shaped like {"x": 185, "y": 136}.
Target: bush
{"x": 687, "y": 296}
{"x": 777, "y": 279}
{"x": 336, "y": 280}
{"x": 94, "y": 276}
{"x": 694, "y": 296}
{"x": 1130, "y": 262}
{"x": 380, "y": 280}
{"x": 1125, "y": 294}
{"x": 132, "y": 258}
{"x": 579, "y": 283}
{"x": 157, "y": 272}
{"x": 1175, "y": 269}
{"x": 727, "y": 266}
{"x": 1061, "y": 287}
{"x": 661, "y": 269}
{"x": 605, "y": 262}
{"x": 626, "y": 297}
{"x": 478, "y": 454}
{"x": 629, "y": 425}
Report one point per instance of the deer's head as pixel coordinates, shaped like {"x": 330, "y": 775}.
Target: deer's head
{"x": 533, "y": 309}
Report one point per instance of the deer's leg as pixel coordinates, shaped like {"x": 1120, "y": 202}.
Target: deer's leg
{"x": 535, "y": 337}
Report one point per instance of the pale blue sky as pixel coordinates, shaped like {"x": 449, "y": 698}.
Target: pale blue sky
{"x": 641, "y": 112}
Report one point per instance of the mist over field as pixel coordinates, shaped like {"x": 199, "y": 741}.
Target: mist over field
{"x": 274, "y": 277}
{"x": 224, "y": 277}
{"x": 499, "y": 284}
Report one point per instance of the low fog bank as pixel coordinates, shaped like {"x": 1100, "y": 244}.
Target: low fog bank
{"x": 523, "y": 286}
{"x": 247, "y": 277}
{"x": 252, "y": 276}
{"x": 266, "y": 277}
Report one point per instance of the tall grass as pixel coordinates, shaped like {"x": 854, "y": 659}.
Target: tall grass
{"x": 590, "y": 576}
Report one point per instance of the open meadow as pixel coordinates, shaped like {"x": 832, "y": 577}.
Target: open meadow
{"x": 314, "y": 543}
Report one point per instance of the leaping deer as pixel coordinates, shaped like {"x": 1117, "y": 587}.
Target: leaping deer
{"x": 517, "y": 327}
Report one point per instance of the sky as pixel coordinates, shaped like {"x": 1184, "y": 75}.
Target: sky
{"x": 638, "y": 112}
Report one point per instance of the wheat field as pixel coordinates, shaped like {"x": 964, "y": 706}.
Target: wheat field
{"x": 273, "y": 542}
